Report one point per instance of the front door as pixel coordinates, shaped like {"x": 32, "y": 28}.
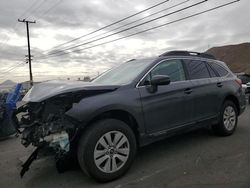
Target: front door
{"x": 169, "y": 106}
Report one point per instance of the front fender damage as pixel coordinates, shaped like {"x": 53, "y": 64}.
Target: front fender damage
{"x": 46, "y": 124}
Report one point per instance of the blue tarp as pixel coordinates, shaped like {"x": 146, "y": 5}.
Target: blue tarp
{"x": 7, "y": 124}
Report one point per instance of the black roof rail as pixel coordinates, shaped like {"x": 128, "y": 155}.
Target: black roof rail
{"x": 131, "y": 60}
{"x": 188, "y": 53}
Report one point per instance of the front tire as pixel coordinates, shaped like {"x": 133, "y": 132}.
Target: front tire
{"x": 228, "y": 120}
{"x": 107, "y": 149}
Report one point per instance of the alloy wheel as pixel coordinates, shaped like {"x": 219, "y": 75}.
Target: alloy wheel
{"x": 111, "y": 151}
{"x": 229, "y": 118}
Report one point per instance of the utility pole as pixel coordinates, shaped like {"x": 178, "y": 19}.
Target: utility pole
{"x": 29, "y": 55}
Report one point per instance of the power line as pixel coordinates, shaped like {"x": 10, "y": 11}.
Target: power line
{"x": 116, "y": 22}
{"x": 150, "y": 15}
{"x": 17, "y": 67}
{"x": 11, "y": 69}
{"x": 29, "y": 8}
{"x": 50, "y": 8}
{"x": 26, "y": 11}
{"x": 16, "y": 60}
{"x": 7, "y": 69}
{"x": 32, "y": 12}
{"x": 162, "y": 25}
{"x": 129, "y": 28}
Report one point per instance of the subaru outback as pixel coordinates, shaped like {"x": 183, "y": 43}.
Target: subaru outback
{"x": 139, "y": 102}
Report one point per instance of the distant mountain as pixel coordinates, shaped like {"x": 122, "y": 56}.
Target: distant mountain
{"x": 8, "y": 82}
{"x": 6, "y": 86}
{"x": 237, "y": 57}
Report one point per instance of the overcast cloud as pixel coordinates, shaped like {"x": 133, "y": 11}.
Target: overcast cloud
{"x": 58, "y": 21}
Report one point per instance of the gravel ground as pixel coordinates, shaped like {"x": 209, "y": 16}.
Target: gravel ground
{"x": 197, "y": 159}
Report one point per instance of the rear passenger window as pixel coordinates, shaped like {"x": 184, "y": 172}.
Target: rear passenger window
{"x": 221, "y": 71}
{"x": 211, "y": 71}
{"x": 197, "y": 69}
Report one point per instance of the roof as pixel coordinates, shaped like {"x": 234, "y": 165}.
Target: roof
{"x": 188, "y": 53}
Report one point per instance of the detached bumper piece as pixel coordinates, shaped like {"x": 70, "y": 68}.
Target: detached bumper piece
{"x": 59, "y": 142}
{"x": 26, "y": 165}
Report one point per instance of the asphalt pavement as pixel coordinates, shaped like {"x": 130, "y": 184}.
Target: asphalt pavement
{"x": 196, "y": 159}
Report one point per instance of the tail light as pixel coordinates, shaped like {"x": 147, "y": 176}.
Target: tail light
{"x": 238, "y": 81}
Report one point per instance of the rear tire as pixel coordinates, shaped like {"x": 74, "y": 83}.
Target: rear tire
{"x": 228, "y": 119}
{"x": 107, "y": 149}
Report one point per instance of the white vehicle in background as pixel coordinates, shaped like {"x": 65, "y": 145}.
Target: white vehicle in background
{"x": 244, "y": 86}
{"x": 247, "y": 88}
{"x": 247, "y": 91}
{"x": 245, "y": 78}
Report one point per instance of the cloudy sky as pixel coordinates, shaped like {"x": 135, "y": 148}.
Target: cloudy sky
{"x": 59, "y": 21}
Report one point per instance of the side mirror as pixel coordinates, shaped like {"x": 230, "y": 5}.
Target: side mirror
{"x": 156, "y": 81}
{"x": 159, "y": 80}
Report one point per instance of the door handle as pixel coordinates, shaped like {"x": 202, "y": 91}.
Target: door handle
{"x": 188, "y": 91}
{"x": 219, "y": 84}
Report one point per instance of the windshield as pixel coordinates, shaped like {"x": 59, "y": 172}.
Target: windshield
{"x": 124, "y": 73}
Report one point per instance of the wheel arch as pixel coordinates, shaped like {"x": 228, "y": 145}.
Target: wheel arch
{"x": 118, "y": 114}
{"x": 235, "y": 100}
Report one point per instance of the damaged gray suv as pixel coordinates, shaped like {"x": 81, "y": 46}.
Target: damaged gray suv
{"x": 103, "y": 122}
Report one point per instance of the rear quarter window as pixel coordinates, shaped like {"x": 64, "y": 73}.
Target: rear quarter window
{"x": 211, "y": 71}
{"x": 197, "y": 69}
{"x": 218, "y": 68}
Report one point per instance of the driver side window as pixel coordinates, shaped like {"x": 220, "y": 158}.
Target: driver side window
{"x": 172, "y": 68}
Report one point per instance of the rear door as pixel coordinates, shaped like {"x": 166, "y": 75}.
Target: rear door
{"x": 205, "y": 89}
{"x": 223, "y": 84}
{"x": 169, "y": 106}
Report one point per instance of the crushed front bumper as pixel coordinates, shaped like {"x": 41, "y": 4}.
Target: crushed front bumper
{"x": 55, "y": 135}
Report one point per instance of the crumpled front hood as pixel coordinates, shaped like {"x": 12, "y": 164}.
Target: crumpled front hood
{"x": 45, "y": 90}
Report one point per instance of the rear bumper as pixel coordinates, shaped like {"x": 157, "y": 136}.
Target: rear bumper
{"x": 247, "y": 90}
{"x": 242, "y": 109}
{"x": 242, "y": 102}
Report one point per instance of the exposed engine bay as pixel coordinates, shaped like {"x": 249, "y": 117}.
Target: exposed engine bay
{"x": 44, "y": 123}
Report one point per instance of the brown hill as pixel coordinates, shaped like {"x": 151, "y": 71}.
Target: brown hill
{"x": 237, "y": 57}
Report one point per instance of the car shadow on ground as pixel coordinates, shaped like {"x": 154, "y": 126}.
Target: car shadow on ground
{"x": 149, "y": 160}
